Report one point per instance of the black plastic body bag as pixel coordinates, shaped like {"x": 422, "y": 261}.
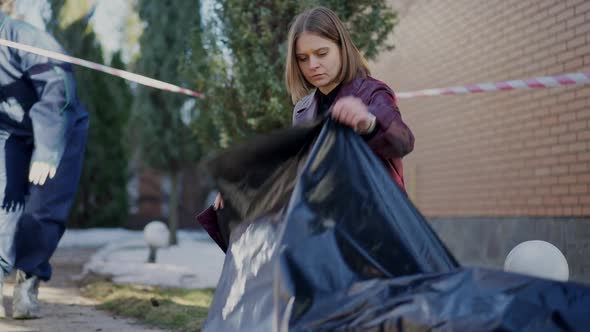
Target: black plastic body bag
{"x": 320, "y": 238}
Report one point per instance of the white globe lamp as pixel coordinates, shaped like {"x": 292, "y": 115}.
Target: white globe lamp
{"x": 156, "y": 235}
{"x": 538, "y": 259}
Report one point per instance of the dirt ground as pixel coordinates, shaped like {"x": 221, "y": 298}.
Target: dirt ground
{"x": 63, "y": 308}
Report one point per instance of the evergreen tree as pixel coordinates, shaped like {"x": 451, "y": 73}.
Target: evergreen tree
{"x": 161, "y": 121}
{"x": 102, "y": 195}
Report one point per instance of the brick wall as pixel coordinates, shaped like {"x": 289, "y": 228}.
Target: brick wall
{"x": 518, "y": 153}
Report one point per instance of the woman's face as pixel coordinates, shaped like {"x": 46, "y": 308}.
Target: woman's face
{"x": 319, "y": 60}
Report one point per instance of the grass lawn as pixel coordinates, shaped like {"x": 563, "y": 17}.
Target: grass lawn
{"x": 173, "y": 309}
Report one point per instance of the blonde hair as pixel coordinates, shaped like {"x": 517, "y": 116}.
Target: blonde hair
{"x": 324, "y": 23}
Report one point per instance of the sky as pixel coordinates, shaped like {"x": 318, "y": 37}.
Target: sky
{"x": 109, "y": 23}
{"x": 109, "y": 20}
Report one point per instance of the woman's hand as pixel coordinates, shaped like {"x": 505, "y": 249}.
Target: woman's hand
{"x": 218, "y": 204}
{"x": 352, "y": 112}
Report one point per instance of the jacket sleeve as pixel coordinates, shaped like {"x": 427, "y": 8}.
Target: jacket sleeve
{"x": 392, "y": 137}
{"x": 54, "y": 84}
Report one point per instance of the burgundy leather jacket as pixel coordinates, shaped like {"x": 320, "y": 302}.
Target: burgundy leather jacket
{"x": 392, "y": 139}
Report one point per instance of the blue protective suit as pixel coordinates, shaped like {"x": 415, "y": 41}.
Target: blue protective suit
{"x": 41, "y": 119}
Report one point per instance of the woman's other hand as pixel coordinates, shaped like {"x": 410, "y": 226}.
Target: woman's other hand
{"x": 218, "y": 204}
{"x": 352, "y": 112}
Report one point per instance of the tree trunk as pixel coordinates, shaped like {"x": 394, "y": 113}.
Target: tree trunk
{"x": 173, "y": 206}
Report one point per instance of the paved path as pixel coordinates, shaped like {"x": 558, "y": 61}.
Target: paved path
{"x": 63, "y": 308}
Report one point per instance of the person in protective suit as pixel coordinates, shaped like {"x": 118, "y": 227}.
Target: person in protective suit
{"x": 43, "y": 132}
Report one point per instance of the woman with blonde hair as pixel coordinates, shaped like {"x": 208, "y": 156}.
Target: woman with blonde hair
{"x": 325, "y": 72}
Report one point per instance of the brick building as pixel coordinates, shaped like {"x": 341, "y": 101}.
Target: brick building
{"x": 491, "y": 170}
{"x": 149, "y": 195}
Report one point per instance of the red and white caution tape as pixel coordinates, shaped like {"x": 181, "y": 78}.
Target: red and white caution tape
{"x": 533, "y": 83}
{"x": 109, "y": 70}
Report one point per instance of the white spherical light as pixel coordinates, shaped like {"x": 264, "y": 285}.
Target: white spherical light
{"x": 538, "y": 259}
{"x": 156, "y": 234}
